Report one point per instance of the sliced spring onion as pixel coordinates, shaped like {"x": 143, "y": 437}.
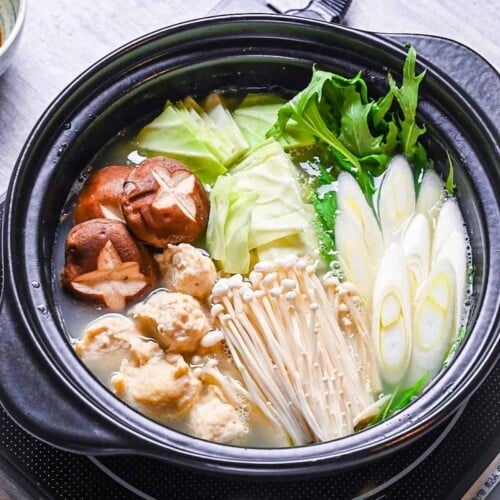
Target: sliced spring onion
{"x": 391, "y": 320}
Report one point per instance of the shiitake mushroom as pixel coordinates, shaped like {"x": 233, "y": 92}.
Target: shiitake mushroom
{"x": 163, "y": 203}
{"x": 105, "y": 264}
{"x": 102, "y": 194}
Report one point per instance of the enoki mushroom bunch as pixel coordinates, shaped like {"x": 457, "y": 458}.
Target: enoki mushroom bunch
{"x": 302, "y": 348}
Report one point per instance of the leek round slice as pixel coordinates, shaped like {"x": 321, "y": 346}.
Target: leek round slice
{"x": 449, "y": 220}
{"x": 417, "y": 248}
{"x": 391, "y": 319}
{"x": 430, "y": 195}
{"x": 357, "y": 264}
{"x": 396, "y": 202}
{"x": 433, "y": 323}
{"x": 350, "y": 199}
{"x": 455, "y": 250}
{"x": 450, "y": 241}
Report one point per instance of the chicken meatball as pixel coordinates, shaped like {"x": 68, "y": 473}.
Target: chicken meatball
{"x": 175, "y": 320}
{"x": 214, "y": 419}
{"x": 163, "y": 387}
{"x": 185, "y": 269}
{"x": 109, "y": 340}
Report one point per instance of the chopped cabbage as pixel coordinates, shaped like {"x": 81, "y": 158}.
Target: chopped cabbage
{"x": 266, "y": 185}
{"x": 174, "y": 134}
{"x": 206, "y": 142}
{"x": 256, "y": 115}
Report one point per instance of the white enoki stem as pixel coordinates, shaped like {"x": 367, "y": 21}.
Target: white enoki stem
{"x": 257, "y": 397}
{"x": 343, "y": 301}
{"x": 250, "y": 344}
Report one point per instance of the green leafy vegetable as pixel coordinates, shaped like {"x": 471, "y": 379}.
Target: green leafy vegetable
{"x": 257, "y": 113}
{"x": 324, "y": 201}
{"x": 338, "y": 112}
{"x": 450, "y": 182}
{"x": 355, "y": 132}
{"x": 380, "y": 109}
{"x": 311, "y": 112}
{"x": 407, "y": 98}
{"x": 362, "y": 134}
{"x": 401, "y": 398}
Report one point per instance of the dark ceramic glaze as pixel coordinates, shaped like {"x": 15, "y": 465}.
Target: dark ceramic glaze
{"x": 44, "y": 386}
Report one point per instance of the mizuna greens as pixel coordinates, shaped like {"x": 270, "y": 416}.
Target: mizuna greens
{"x": 361, "y": 133}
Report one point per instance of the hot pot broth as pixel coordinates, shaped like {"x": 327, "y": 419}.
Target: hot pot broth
{"x": 355, "y": 308}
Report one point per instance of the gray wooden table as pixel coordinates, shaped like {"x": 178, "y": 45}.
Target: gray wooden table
{"x": 63, "y": 37}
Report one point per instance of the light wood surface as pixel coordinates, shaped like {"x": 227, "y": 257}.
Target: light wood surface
{"x": 63, "y": 37}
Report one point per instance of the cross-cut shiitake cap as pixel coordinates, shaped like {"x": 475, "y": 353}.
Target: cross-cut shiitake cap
{"x": 101, "y": 195}
{"x": 105, "y": 264}
{"x": 164, "y": 202}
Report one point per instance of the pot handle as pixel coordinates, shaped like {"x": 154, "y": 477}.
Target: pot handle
{"x": 31, "y": 397}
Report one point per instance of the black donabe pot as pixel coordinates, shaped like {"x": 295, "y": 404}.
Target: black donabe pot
{"x": 48, "y": 391}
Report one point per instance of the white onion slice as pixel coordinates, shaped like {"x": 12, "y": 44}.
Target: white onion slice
{"x": 391, "y": 320}
{"x": 433, "y": 322}
{"x": 396, "y": 202}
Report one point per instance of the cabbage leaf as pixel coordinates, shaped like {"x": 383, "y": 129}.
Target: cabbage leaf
{"x": 206, "y": 142}
{"x": 174, "y": 135}
{"x": 266, "y": 181}
{"x": 257, "y": 113}
{"x": 229, "y": 224}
